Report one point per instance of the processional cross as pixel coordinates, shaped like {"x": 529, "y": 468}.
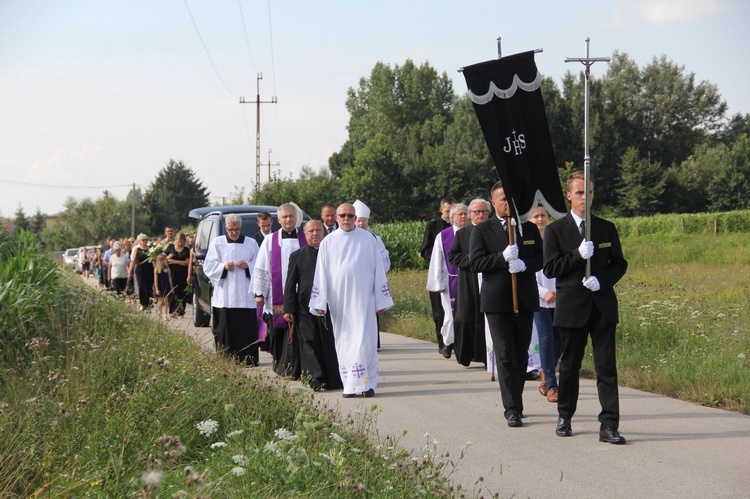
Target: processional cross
{"x": 587, "y": 63}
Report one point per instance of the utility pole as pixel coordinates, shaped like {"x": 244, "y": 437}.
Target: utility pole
{"x": 269, "y": 164}
{"x": 258, "y": 102}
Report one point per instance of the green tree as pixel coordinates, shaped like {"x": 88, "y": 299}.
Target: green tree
{"x": 310, "y": 191}
{"x": 37, "y": 222}
{"x": 397, "y": 115}
{"x": 643, "y": 182}
{"x": 20, "y": 220}
{"x": 687, "y": 184}
{"x": 172, "y": 195}
{"x": 377, "y": 179}
{"x": 461, "y": 165}
{"x": 729, "y": 188}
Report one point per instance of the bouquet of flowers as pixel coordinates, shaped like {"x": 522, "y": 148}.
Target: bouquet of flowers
{"x": 155, "y": 249}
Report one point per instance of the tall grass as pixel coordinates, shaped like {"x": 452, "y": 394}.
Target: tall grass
{"x": 684, "y": 317}
{"x": 107, "y": 403}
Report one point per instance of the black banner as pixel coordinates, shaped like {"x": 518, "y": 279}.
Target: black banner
{"x": 508, "y": 101}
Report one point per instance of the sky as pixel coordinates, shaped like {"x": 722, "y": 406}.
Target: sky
{"x": 101, "y": 94}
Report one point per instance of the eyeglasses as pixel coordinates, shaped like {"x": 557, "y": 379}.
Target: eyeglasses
{"x": 234, "y": 229}
{"x": 479, "y": 212}
{"x": 346, "y": 215}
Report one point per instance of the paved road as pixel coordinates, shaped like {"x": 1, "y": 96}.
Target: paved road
{"x": 675, "y": 449}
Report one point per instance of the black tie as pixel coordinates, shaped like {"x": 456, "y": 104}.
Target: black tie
{"x": 583, "y": 228}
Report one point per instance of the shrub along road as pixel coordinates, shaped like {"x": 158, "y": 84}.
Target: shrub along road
{"x": 674, "y": 448}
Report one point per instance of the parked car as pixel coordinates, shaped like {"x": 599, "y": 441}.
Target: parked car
{"x": 70, "y": 257}
{"x": 212, "y": 225}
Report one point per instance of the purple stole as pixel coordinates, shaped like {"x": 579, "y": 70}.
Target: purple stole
{"x": 447, "y": 236}
{"x": 277, "y": 290}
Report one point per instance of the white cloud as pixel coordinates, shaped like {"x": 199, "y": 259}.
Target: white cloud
{"x": 662, "y": 12}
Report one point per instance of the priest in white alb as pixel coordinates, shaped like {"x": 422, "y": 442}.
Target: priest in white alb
{"x": 442, "y": 277}
{"x": 350, "y": 280}
{"x": 269, "y": 277}
{"x": 229, "y": 265}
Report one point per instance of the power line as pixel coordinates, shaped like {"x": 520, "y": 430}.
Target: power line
{"x": 247, "y": 40}
{"x": 273, "y": 73}
{"x": 206, "y": 49}
{"x": 64, "y": 186}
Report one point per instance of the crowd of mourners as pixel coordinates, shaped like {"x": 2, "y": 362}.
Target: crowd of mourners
{"x": 152, "y": 272}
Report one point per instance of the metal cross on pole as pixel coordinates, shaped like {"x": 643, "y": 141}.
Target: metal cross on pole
{"x": 587, "y": 63}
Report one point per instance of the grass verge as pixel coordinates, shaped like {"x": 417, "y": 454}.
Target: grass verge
{"x": 108, "y": 403}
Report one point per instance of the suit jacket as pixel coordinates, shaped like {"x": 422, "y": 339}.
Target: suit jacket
{"x": 486, "y": 245}
{"x": 563, "y": 262}
{"x": 259, "y": 237}
{"x": 299, "y": 280}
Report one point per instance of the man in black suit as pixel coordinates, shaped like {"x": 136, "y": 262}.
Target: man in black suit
{"x": 317, "y": 348}
{"x": 328, "y": 215}
{"x": 434, "y": 228}
{"x": 586, "y": 306}
{"x": 265, "y": 224}
{"x": 497, "y": 260}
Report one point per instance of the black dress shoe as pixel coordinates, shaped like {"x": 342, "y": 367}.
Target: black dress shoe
{"x": 533, "y": 375}
{"x": 611, "y": 436}
{"x": 514, "y": 421}
{"x": 563, "y": 428}
{"x": 447, "y": 350}
{"x": 369, "y": 393}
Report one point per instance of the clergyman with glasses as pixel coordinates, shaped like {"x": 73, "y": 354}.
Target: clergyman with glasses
{"x": 229, "y": 265}
{"x": 350, "y": 280}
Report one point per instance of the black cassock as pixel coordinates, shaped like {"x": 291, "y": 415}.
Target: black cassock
{"x": 312, "y": 334}
{"x": 468, "y": 321}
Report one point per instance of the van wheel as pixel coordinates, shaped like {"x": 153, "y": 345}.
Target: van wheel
{"x": 200, "y": 318}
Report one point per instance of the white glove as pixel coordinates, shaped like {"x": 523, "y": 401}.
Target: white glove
{"x": 591, "y": 283}
{"x": 586, "y": 249}
{"x": 510, "y": 253}
{"x": 516, "y": 266}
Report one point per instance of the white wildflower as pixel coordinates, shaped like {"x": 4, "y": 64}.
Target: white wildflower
{"x": 272, "y": 448}
{"x": 284, "y": 434}
{"x": 239, "y": 460}
{"x": 338, "y": 438}
{"x": 218, "y": 445}
{"x": 234, "y": 433}
{"x": 327, "y": 457}
{"x": 238, "y": 471}
{"x": 207, "y": 427}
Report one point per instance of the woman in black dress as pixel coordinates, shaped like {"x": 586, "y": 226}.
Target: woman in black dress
{"x": 178, "y": 257}
{"x": 143, "y": 270}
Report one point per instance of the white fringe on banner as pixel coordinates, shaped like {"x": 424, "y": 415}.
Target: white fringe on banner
{"x": 507, "y": 93}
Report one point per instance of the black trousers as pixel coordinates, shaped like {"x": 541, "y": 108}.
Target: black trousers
{"x": 605, "y": 362}
{"x": 438, "y": 315}
{"x": 511, "y": 336}
{"x": 236, "y": 333}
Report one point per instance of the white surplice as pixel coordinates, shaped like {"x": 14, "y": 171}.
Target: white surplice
{"x": 437, "y": 280}
{"x": 234, "y": 290}
{"x": 262, "y": 273}
{"x": 350, "y": 280}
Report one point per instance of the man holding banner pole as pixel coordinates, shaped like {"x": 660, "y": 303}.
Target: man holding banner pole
{"x": 500, "y": 260}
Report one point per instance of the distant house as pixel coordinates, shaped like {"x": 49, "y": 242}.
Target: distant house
{"x": 9, "y": 226}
